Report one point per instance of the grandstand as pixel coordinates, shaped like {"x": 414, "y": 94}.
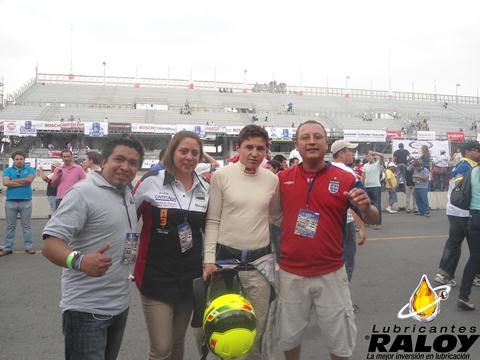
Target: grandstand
{"x": 77, "y": 98}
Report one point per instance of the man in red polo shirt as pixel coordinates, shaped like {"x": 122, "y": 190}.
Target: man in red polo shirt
{"x": 315, "y": 196}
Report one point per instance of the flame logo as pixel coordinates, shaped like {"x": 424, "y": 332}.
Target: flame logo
{"x": 424, "y": 304}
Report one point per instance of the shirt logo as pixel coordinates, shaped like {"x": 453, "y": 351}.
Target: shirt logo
{"x": 333, "y": 186}
{"x": 290, "y": 182}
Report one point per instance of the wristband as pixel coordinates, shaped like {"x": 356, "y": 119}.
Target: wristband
{"x": 77, "y": 262}
{"x": 70, "y": 258}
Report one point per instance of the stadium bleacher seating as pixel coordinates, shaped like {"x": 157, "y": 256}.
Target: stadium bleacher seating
{"x": 50, "y": 100}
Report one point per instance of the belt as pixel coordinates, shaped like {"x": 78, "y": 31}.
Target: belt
{"x": 474, "y": 211}
{"x": 225, "y": 252}
{"x": 20, "y": 200}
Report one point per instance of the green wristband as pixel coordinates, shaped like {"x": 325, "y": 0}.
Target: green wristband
{"x": 70, "y": 259}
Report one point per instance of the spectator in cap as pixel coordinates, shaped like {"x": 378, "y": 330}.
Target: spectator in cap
{"x": 343, "y": 158}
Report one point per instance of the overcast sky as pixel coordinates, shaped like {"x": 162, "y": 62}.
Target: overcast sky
{"x": 291, "y": 41}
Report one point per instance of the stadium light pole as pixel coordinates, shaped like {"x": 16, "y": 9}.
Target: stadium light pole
{"x": 346, "y": 81}
{"x": 456, "y": 92}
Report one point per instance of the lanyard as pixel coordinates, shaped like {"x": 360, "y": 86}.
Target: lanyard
{"x": 311, "y": 180}
{"x": 128, "y": 215}
{"x": 180, "y": 205}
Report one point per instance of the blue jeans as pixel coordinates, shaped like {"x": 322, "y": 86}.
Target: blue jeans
{"x": 392, "y": 197}
{"x": 349, "y": 248}
{"x": 421, "y": 196}
{"x": 92, "y": 336}
{"x": 375, "y": 195}
{"x": 473, "y": 264}
{"x": 12, "y": 208}
{"x": 52, "y": 203}
{"x": 453, "y": 246}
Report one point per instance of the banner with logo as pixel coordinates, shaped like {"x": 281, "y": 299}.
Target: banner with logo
{"x": 46, "y": 164}
{"x": 153, "y": 128}
{"x": 426, "y": 135}
{"x": 197, "y": 129}
{"x": 10, "y": 128}
{"x": 119, "y": 128}
{"x": 414, "y": 146}
{"x": 148, "y": 163}
{"x": 456, "y": 135}
{"x": 233, "y": 130}
{"x": 165, "y": 129}
{"x": 20, "y": 128}
{"x": 49, "y": 125}
{"x": 277, "y": 133}
{"x": 96, "y": 129}
{"x": 215, "y": 129}
{"x": 362, "y": 135}
{"x": 72, "y": 126}
{"x": 394, "y": 134}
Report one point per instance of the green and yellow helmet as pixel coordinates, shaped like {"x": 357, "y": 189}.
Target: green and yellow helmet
{"x": 229, "y": 324}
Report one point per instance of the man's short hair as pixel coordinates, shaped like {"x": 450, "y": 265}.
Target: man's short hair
{"x": 18, "y": 152}
{"x": 275, "y": 164}
{"x": 64, "y": 151}
{"x": 400, "y": 146}
{"x": 94, "y": 156}
{"x": 470, "y": 146}
{"x": 310, "y": 122}
{"x": 292, "y": 160}
{"x": 126, "y": 140}
{"x": 280, "y": 158}
{"x": 250, "y": 131}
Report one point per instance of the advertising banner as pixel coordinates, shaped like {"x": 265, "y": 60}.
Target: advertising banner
{"x": 20, "y": 128}
{"x": 362, "y": 135}
{"x": 414, "y": 146}
{"x": 10, "y": 128}
{"x": 148, "y": 163}
{"x": 165, "y": 129}
{"x": 394, "y": 134}
{"x": 96, "y": 129}
{"x": 49, "y": 125}
{"x": 277, "y": 133}
{"x": 215, "y": 129}
{"x": 197, "y": 129}
{"x": 456, "y": 135}
{"x": 119, "y": 128}
{"x": 233, "y": 130}
{"x": 46, "y": 164}
{"x": 426, "y": 135}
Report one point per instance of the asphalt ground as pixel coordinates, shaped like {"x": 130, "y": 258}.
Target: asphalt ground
{"x": 388, "y": 269}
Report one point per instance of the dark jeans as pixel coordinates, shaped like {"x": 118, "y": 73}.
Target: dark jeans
{"x": 453, "y": 247}
{"x": 375, "y": 195}
{"x": 349, "y": 248}
{"x": 421, "y": 197}
{"x": 473, "y": 263}
{"x": 92, "y": 336}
